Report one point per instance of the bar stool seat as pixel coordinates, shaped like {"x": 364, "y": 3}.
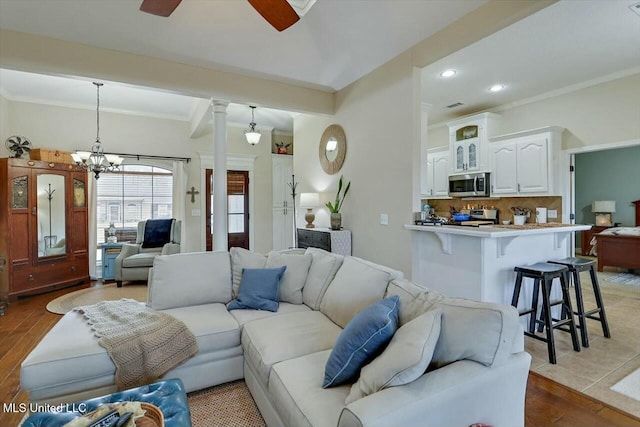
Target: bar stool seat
{"x": 543, "y": 275}
{"x": 575, "y": 266}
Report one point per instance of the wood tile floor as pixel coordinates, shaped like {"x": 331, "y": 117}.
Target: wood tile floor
{"x": 607, "y": 360}
{"x": 548, "y": 403}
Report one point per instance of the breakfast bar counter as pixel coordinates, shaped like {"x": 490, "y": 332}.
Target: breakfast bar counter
{"x": 477, "y": 262}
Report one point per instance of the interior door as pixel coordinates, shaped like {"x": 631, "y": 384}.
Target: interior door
{"x": 237, "y": 208}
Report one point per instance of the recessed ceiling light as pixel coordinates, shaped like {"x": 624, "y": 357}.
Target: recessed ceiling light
{"x": 448, "y": 73}
{"x": 496, "y": 88}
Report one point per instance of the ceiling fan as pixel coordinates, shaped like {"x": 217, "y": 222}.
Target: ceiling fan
{"x": 279, "y": 13}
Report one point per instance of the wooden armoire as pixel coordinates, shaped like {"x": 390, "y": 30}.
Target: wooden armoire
{"x": 44, "y": 241}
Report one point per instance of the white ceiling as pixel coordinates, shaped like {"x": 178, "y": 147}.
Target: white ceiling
{"x": 565, "y": 44}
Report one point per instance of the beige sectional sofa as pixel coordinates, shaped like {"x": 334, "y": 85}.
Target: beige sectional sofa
{"x": 478, "y": 372}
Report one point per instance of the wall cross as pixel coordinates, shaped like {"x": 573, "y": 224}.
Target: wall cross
{"x": 193, "y": 193}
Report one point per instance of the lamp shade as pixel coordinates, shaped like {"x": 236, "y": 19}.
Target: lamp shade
{"x": 309, "y": 200}
{"x": 603, "y": 206}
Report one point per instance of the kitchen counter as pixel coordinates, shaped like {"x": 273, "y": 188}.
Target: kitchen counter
{"x": 477, "y": 262}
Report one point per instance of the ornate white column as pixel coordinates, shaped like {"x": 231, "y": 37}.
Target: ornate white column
{"x": 220, "y": 231}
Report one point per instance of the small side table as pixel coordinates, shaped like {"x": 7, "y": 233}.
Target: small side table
{"x": 109, "y": 253}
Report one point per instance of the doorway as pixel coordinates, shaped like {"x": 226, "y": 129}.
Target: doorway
{"x": 237, "y": 208}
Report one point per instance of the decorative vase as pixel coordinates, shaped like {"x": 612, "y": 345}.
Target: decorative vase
{"x": 336, "y": 221}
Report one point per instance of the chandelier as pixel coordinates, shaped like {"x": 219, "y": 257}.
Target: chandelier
{"x": 252, "y": 135}
{"x": 95, "y": 160}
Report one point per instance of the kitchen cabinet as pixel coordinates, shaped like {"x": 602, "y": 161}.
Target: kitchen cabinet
{"x": 522, "y": 164}
{"x": 436, "y": 183}
{"x": 43, "y": 227}
{"x": 468, "y": 139}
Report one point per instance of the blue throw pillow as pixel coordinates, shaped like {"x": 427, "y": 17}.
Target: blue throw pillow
{"x": 258, "y": 289}
{"x": 364, "y": 337}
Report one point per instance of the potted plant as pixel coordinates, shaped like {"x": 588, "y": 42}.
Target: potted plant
{"x": 334, "y": 208}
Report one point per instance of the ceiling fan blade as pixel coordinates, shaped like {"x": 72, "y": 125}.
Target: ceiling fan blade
{"x": 278, "y": 13}
{"x": 159, "y": 7}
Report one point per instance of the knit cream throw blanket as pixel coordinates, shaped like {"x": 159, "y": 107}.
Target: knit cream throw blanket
{"x": 143, "y": 343}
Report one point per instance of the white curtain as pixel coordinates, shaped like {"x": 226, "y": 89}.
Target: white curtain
{"x": 93, "y": 224}
{"x": 179, "y": 195}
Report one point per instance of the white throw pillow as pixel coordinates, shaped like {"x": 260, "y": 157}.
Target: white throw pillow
{"x": 356, "y": 286}
{"x": 242, "y": 258}
{"x": 414, "y": 299}
{"x": 182, "y": 280}
{"x": 480, "y": 331}
{"x": 294, "y": 277}
{"x": 323, "y": 269}
{"x": 404, "y": 360}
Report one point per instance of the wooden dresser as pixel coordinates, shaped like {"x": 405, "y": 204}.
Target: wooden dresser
{"x": 43, "y": 227}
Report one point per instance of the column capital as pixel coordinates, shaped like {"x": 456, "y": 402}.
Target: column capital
{"x": 219, "y": 106}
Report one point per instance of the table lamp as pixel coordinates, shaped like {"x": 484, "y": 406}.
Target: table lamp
{"x": 603, "y": 210}
{"x": 309, "y": 201}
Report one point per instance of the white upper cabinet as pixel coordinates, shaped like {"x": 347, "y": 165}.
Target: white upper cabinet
{"x": 436, "y": 179}
{"x": 468, "y": 139}
{"x": 526, "y": 163}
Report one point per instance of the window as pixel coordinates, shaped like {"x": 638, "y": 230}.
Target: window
{"x": 138, "y": 192}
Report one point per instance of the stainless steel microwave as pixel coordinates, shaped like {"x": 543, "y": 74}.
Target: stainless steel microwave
{"x": 470, "y": 185}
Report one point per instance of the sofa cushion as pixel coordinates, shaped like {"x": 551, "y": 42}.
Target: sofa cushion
{"x": 54, "y": 361}
{"x": 143, "y": 259}
{"x": 324, "y": 267}
{"x": 294, "y": 278}
{"x": 479, "y": 331}
{"x": 259, "y": 289}
{"x": 414, "y": 299}
{"x": 366, "y": 335}
{"x": 404, "y": 360}
{"x": 286, "y": 336}
{"x": 393, "y": 274}
{"x": 249, "y": 315}
{"x": 356, "y": 286}
{"x": 295, "y": 387}
{"x": 183, "y": 280}
{"x": 240, "y": 259}
{"x": 214, "y": 328}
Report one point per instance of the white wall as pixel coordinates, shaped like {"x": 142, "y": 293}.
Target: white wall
{"x": 601, "y": 114}
{"x": 378, "y": 114}
{"x": 69, "y": 129}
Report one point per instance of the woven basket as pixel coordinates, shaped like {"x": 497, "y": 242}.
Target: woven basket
{"x": 153, "y": 416}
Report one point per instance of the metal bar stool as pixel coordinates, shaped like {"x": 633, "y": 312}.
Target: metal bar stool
{"x": 575, "y": 266}
{"x": 544, "y": 273}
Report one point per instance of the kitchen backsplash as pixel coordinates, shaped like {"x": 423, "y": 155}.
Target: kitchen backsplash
{"x": 503, "y": 204}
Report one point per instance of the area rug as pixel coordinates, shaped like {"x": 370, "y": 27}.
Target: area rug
{"x": 625, "y": 278}
{"x": 94, "y": 295}
{"x": 629, "y": 385}
{"x": 225, "y": 405}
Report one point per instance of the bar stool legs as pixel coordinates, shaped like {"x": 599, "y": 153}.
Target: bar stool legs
{"x": 543, "y": 274}
{"x": 575, "y": 266}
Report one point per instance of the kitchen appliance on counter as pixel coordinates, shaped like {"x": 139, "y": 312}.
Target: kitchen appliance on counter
{"x": 479, "y": 217}
{"x": 470, "y": 185}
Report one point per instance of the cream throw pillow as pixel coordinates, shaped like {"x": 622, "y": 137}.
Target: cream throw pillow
{"x": 356, "y": 286}
{"x": 294, "y": 277}
{"x": 404, "y": 360}
{"x": 242, "y": 258}
{"x": 323, "y": 269}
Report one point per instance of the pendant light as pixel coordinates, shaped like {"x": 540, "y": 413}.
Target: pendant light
{"x": 252, "y": 135}
{"x": 95, "y": 160}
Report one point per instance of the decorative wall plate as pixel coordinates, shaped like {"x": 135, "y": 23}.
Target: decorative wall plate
{"x": 333, "y": 149}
